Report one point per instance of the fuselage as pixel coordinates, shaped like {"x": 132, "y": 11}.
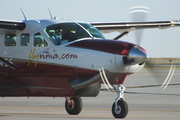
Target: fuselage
{"x": 46, "y": 63}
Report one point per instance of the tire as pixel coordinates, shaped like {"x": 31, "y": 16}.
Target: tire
{"x": 122, "y": 109}
{"x": 77, "y": 106}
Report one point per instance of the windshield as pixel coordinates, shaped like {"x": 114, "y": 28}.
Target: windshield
{"x": 66, "y": 32}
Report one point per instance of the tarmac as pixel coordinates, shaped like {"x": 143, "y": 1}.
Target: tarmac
{"x": 146, "y": 102}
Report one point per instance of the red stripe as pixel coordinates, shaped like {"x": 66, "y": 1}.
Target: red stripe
{"x": 109, "y": 46}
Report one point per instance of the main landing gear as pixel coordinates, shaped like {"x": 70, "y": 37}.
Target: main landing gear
{"x": 73, "y": 105}
{"x": 120, "y": 107}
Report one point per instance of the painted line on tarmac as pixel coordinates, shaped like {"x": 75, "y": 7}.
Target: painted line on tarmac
{"x": 62, "y": 108}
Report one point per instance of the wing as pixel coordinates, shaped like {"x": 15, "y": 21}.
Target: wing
{"x": 122, "y": 27}
{"x": 12, "y": 25}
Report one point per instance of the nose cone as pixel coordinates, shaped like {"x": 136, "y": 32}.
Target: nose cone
{"x": 136, "y": 56}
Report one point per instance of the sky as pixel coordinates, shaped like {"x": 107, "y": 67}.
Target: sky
{"x": 158, "y": 43}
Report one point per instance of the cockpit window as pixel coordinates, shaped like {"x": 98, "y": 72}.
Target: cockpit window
{"x": 66, "y": 32}
{"x": 92, "y": 30}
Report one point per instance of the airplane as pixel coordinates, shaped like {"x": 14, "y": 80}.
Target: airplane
{"x": 71, "y": 59}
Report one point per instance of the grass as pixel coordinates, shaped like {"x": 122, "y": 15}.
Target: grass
{"x": 156, "y": 63}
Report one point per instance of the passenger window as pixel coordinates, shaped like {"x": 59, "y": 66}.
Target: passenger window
{"x": 10, "y": 40}
{"x": 39, "y": 41}
{"x": 25, "y": 39}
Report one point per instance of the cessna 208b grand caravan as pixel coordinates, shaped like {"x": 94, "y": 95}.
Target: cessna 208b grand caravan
{"x": 60, "y": 58}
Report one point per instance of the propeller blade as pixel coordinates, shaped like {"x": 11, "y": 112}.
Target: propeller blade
{"x": 169, "y": 77}
{"x": 152, "y": 68}
{"x": 105, "y": 81}
{"x": 139, "y": 13}
{"x": 150, "y": 65}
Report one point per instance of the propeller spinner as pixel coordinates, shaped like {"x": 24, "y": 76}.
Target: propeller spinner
{"x": 137, "y": 55}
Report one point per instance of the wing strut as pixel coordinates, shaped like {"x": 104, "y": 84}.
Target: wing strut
{"x": 124, "y": 33}
{"x": 11, "y": 65}
{"x": 121, "y": 35}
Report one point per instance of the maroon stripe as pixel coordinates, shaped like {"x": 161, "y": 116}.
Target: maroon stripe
{"x": 109, "y": 46}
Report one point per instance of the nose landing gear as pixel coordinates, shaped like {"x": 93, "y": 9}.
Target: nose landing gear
{"x": 120, "y": 107}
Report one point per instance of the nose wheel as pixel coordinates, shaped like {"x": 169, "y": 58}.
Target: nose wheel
{"x": 120, "y": 107}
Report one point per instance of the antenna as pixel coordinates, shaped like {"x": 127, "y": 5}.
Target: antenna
{"x": 24, "y": 14}
{"x": 50, "y": 14}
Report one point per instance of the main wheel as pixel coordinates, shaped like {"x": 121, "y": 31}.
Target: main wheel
{"x": 122, "y": 109}
{"x": 75, "y": 107}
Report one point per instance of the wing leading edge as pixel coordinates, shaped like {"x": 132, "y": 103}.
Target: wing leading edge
{"x": 12, "y": 25}
{"x": 108, "y": 27}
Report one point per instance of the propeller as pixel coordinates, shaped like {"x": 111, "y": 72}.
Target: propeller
{"x": 139, "y": 13}
{"x": 137, "y": 54}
